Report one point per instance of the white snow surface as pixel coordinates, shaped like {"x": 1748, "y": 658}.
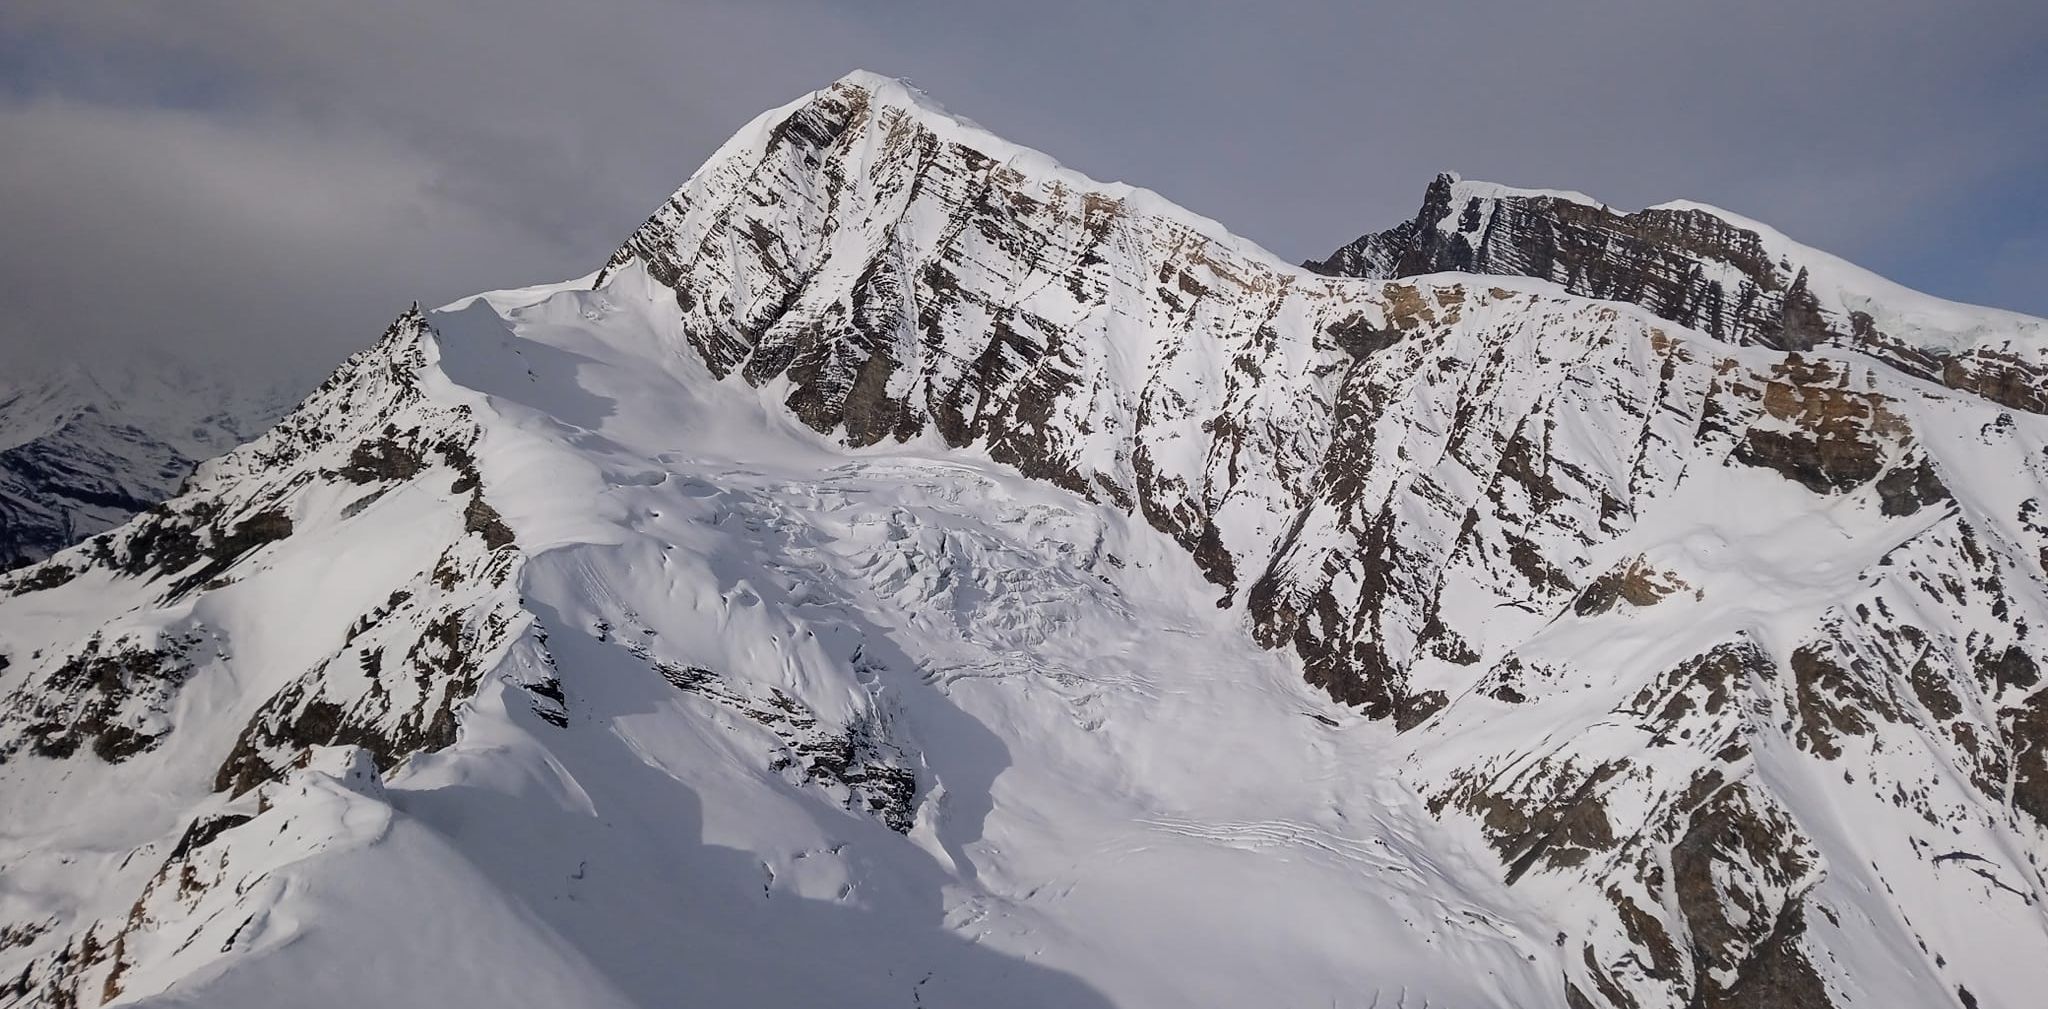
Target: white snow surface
{"x": 1123, "y": 800}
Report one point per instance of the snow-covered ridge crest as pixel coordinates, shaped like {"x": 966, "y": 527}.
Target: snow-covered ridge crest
{"x": 1952, "y": 324}
{"x": 1464, "y": 190}
{"x": 754, "y": 141}
{"x": 1948, "y": 325}
{"x": 196, "y": 652}
{"x": 1712, "y": 270}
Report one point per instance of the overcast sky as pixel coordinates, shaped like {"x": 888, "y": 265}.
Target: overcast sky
{"x": 267, "y": 183}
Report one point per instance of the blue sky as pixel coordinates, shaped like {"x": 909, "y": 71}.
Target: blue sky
{"x": 266, "y": 184}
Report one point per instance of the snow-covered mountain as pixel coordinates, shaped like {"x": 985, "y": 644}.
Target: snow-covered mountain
{"x": 1713, "y": 271}
{"x": 82, "y": 450}
{"x": 912, "y": 573}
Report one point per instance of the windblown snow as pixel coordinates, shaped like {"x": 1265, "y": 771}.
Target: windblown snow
{"x": 913, "y": 574}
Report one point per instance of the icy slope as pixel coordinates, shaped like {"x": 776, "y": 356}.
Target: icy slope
{"x": 81, "y": 452}
{"x": 854, "y": 595}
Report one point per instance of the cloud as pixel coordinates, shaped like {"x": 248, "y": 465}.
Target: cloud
{"x": 269, "y": 245}
{"x": 231, "y": 176}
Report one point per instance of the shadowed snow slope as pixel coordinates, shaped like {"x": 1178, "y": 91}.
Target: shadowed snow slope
{"x": 910, "y": 573}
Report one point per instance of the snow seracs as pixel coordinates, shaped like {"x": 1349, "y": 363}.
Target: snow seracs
{"x": 82, "y": 451}
{"x": 1711, "y": 270}
{"x": 711, "y": 580}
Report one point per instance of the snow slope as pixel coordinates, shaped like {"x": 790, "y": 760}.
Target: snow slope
{"x": 911, "y": 573}
{"x": 1052, "y": 672}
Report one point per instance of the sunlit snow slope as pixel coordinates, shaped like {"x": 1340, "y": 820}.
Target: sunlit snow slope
{"x": 911, "y": 573}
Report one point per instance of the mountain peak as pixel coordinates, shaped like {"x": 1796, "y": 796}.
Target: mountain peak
{"x": 893, "y": 91}
{"x": 1462, "y": 190}
{"x": 868, "y": 125}
{"x": 1709, "y": 269}
{"x": 913, "y": 573}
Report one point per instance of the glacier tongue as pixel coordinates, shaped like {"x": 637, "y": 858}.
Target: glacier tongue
{"x": 855, "y": 594}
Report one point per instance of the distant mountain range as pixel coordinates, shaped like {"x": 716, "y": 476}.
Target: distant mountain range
{"x": 82, "y": 451}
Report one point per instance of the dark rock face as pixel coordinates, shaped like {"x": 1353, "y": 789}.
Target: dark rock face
{"x": 44, "y": 473}
{"x": 1906, "y": 490}
{"x": 383, "y": 458}
{"x": 1838, "y": 436}
{"x": 859, "y": 765}
{"x": 99, "y": 698}
{"x": 1689, "y": 265}
{"x": 443, "y": 659}
{"x": 2030, "y": 736}
{"x": 1633, "y": 584}
{"x": 1729, "y": 838}
{"x": 1653, "y": 258}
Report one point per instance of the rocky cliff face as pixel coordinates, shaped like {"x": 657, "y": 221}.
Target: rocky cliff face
{"x": 1485, "y": 460}
{"x": 1676, "y": 649}
{"x": 1712, "y": 271}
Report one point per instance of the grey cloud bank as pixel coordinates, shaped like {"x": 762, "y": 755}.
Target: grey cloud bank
{"x": 262, "y": 186}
